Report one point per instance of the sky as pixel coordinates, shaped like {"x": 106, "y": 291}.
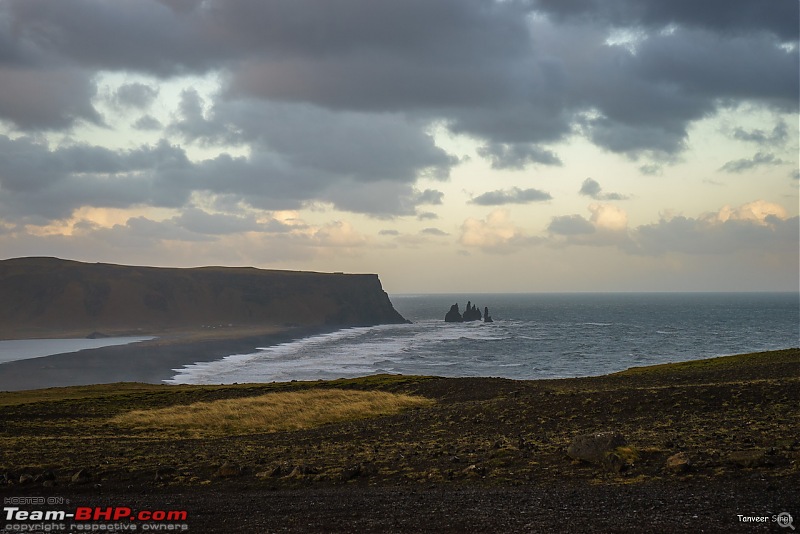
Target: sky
{"x": 447, "y": 145}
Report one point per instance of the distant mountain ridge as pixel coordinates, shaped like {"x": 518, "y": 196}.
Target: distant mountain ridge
{"x": 41, "y": 295}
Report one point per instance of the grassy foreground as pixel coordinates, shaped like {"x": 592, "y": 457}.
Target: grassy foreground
{"x": 731, "y": 417}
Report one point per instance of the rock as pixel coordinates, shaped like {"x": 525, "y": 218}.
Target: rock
{"x": 453, "y": 316}
{"x": 49, "y": 484}
{"x": 44, "y": 477}
{"x": 281, "y": 470}
{"x": 471, "y": 313}
{"x": 25, "y": 479}
{"x": 678, "y": 463}
{"x": 474, "y": 470}
{"x": 229, "y": 469}
{"x": 486, "y": 317}
{"x": 362, "y": 469}
{"x": 81, "y": 477}
{"x": 748, "y": 458}
{"x": 164, "y": 472}
{"x": 595, "y": 447}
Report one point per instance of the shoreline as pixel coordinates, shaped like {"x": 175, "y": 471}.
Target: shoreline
{"x": 150, "y": 361}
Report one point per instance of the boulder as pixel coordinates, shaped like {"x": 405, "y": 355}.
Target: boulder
{"x": 678, "y": 463}
{"x": 229, "y": 469}
{"x": 596, "y": 447}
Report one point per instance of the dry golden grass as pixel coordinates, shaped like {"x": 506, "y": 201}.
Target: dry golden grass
{"x": 273, "y": 412}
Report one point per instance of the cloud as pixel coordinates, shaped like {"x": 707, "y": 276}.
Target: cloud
{"x": 720, "y": 15}
{"x": 135, "y": 95}
{"x": 591, "y": 188}
{"x": 517, "y": 156}
{"x": 757, "y": 226}
{"x": 514, "y": 75}
{"x": 147, "y": 122}
{"x": 608, "y": 217}
{"x": 778, "y": 135}
{"x": 745, "y": 164}
{"x": 54, "y": 99}
{"x": 375, "y": 176}
{"x": 515, "y": 195}
{"x": 496, "y": 234}
{"x": 433, "y": 231}
{"x": 568, "y": 225}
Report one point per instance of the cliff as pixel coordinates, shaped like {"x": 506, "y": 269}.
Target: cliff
{"x": 42, "y": 296}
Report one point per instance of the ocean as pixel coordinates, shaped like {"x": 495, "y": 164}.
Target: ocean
{"x": 533, "y": 336}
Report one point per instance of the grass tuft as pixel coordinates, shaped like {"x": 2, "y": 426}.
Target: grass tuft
{"x": 273, "y": 412}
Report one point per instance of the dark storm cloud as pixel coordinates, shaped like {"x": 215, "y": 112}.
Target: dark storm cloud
{"x": 42, "y": 184}
{"x": 51, "y": 99}
{"x": 332, "y": 96}
{"x": 515, "y": 195}
{"x": 779, "y": 18}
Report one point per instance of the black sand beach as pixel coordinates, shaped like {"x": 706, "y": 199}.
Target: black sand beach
{"x": 148, "y": 361}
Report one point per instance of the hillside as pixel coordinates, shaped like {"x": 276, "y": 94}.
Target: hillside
{"x": 50, "y": 297}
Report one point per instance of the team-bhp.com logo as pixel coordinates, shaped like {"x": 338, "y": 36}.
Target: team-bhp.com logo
{"x": 86, "y": 518}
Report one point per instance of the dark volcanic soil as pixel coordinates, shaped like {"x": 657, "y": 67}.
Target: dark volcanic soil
{"x": 488, "y": 456}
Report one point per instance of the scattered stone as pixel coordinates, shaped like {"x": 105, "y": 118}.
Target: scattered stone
{"x": 748, "y": 458}
{"x": 164, "y": 472}
{"x": 678, "y": 463}
{"x": 473, "y": 470}
{"x": 44, "y": 477}
{"x": 620, "y": 459}
{"x": 281, "y": 470}
{"x": 595, "y": 447}
{"x": 81, "y": 477}
{"x": 229, "y": 469}
{"x": 362, "y": 469}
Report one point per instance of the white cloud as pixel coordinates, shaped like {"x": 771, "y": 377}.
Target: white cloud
{"x": 497, "y": 233}
{"x": 610, "y": 218}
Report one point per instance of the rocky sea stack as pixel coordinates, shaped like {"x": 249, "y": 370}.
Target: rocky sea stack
{"x": 471, "y": 313}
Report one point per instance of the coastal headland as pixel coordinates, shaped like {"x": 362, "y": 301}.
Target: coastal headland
{"x": 197, "y": 315}
{"x": 703, "y": 445}
{"x": 51, "y": 297}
